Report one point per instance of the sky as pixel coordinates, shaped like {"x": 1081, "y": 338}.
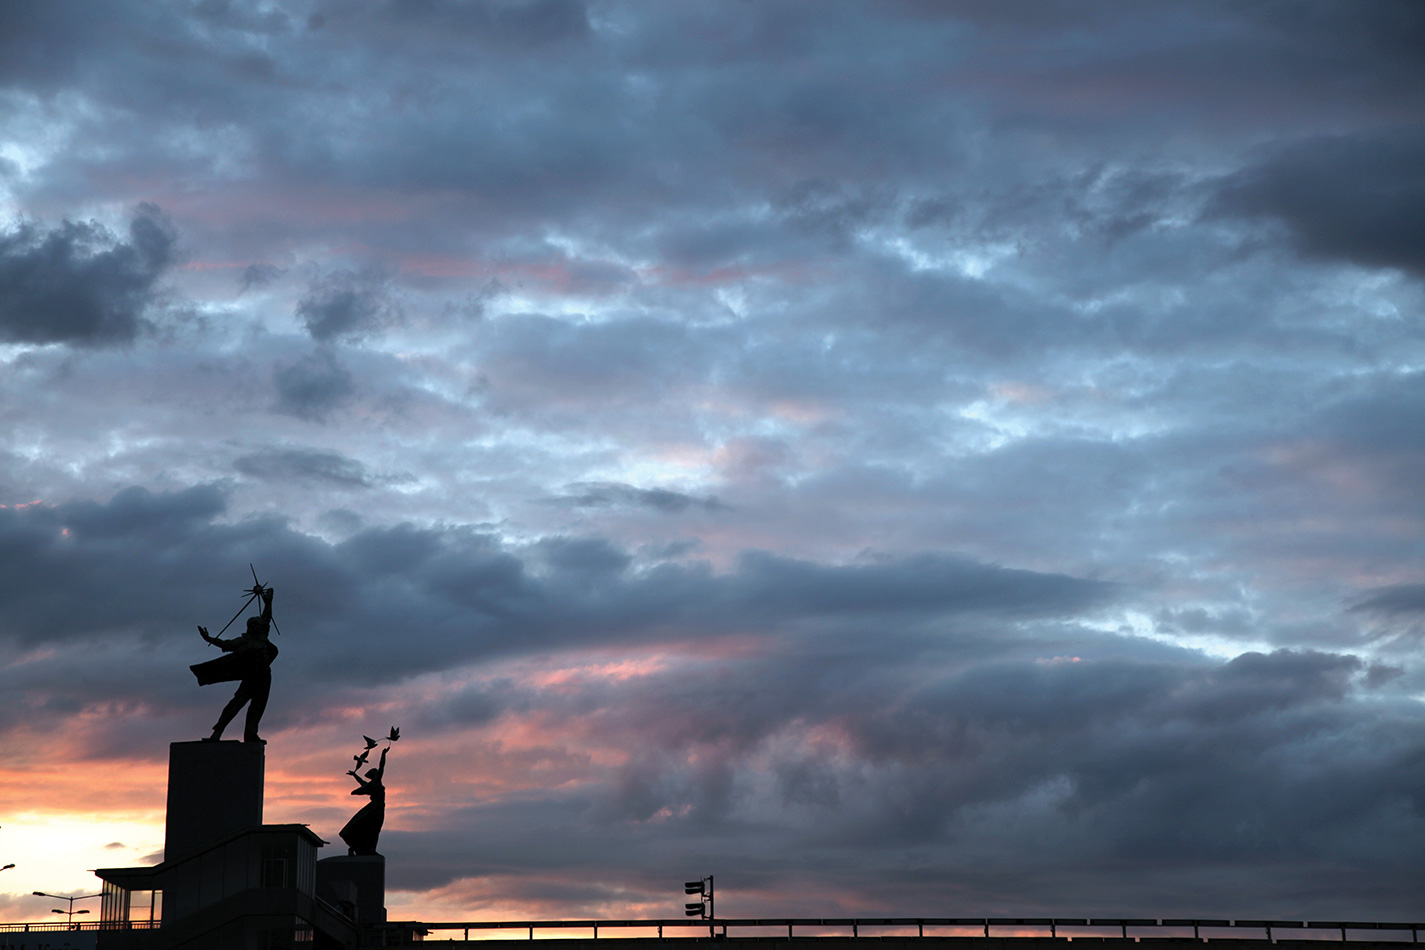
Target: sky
{"x": 902, "y": 458}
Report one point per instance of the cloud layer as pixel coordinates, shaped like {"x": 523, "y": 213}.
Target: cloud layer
{"x": 79, "y": 284}
{"x": 902, "y": 458}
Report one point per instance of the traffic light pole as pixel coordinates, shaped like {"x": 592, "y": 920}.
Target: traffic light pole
{"x": 703, "y": 907}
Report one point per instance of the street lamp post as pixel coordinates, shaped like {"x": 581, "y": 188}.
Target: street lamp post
{"x": 68, "y": 914}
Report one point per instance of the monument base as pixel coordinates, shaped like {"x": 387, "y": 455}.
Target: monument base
{"x": 214, "y": 790}
{"x": 355, "y": 884}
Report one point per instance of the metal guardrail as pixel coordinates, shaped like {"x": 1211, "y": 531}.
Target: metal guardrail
{"x": 985, "y": 926}
{"x": 88, "y": 925}
{"x": 1349, "y": 930}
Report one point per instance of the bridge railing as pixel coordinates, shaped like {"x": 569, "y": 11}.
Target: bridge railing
{"x": 1057, "y": 927}
{"x": 1267, "y": 930}
{"x": 88, "y": 925}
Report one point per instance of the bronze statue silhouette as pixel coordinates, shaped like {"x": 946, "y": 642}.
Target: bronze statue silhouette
{"x": 247, "y": 659}
{"x": 364, "y": 829}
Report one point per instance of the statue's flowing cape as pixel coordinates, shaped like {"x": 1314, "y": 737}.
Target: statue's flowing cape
{"x": 237, "y": 665}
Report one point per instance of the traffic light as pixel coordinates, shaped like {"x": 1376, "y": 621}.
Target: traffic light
{"x": 704, "y": 891}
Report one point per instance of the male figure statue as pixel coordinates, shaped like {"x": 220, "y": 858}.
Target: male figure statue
{"x": 248, "y": 659}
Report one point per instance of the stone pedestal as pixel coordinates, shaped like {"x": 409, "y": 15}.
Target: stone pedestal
{"x": 214, "y": 790}
{"x": 354, "y": 884}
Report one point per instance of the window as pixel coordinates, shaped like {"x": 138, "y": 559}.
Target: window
{"x": 274, "y": 869}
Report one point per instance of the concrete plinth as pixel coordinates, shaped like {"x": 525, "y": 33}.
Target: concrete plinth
{"x": 214, "y": 790}
{"x": 356, "y": 884}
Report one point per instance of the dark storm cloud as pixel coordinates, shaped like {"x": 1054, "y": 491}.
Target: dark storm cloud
{"x": 607, "y": 494}
{"x": 259, "y": 275}
{"x": 1374, "y": 54}
{"x": 87, "y": 546}
{"x": 43, "y": 43}
{"x": 1042, "y": 771}
{"x": 472, "y": 706}
{"x": 312, "y": 387}
{"x": 526, "y": 23}
{"x": 920, "y": 583}
{"x": 1357, "y": 198}
{"x": 79, "y": 283}
{"x": 704, "y": 98}
{"x": 288, "y": 464}
{"x": 460, "y": 592}
{"x": 139, "y": 513}
{"x": 1396, "y": 599}
{"x": 1274, "y": 66}
{"x": 348, "y": 305}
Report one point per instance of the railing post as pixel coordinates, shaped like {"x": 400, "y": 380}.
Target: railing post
{"x": 596, "y": 931}
{"x": 789, "y": 930}
{"x": 920, "y": 929}
{"x": 853, "y": 927}
{"x": 1124, "y": 925}
{"x": 987, "y": 926}
{"x": 1052, "y": 932}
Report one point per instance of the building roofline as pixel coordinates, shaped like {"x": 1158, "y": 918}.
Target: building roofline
{"x": 120, "y": 876}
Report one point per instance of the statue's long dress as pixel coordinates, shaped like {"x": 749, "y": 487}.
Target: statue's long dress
{"x": 364, "y": 828}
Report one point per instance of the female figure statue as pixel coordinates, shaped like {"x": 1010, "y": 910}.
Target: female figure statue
{"x": 361, "y": 832}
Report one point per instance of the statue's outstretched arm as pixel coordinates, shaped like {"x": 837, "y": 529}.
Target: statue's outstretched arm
{"x": 219, "y": 642}
{"x": 227, "y": 646}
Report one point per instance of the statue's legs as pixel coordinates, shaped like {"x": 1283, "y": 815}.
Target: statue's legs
{"x": 261, "y": 685}
{"x": 243, "y": 694}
